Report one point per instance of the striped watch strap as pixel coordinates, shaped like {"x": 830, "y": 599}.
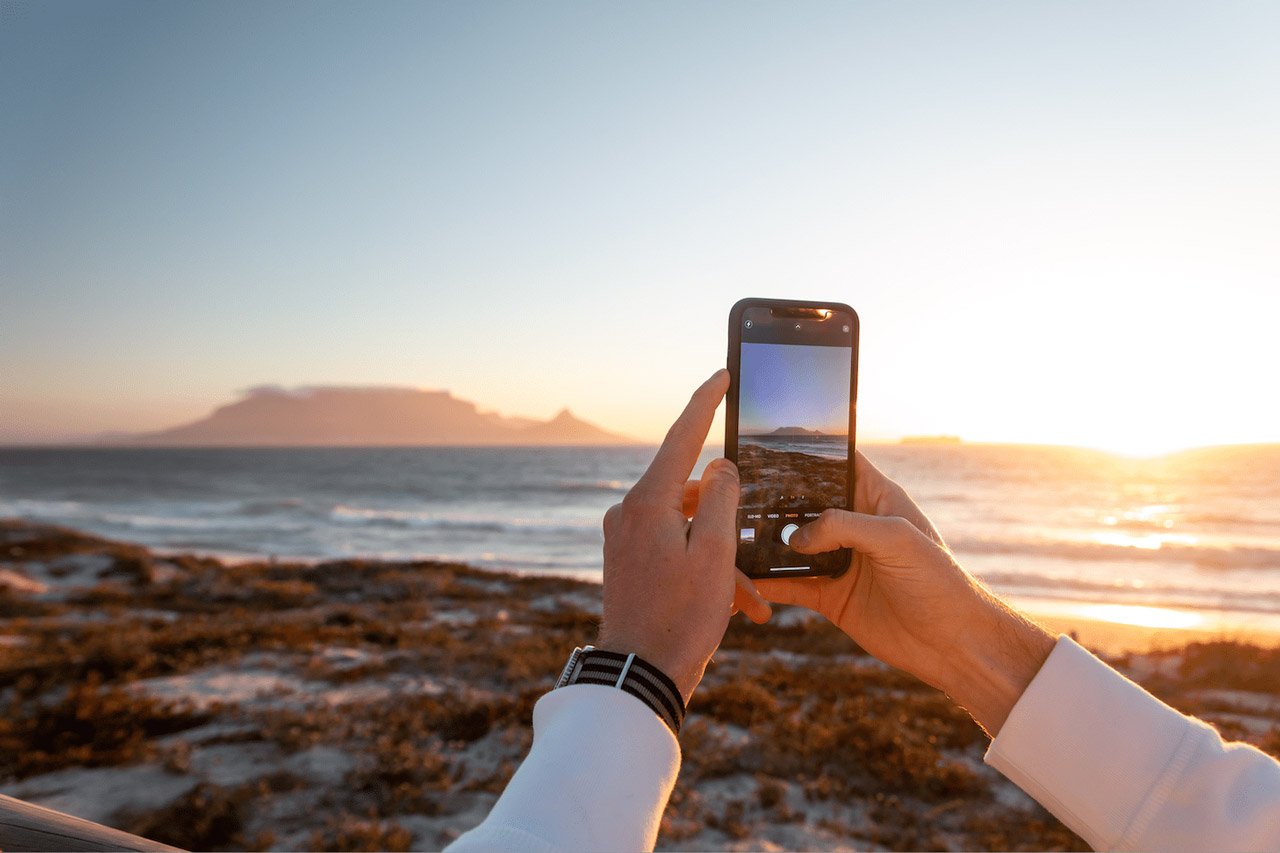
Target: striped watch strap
{"x": 635, "y": 675}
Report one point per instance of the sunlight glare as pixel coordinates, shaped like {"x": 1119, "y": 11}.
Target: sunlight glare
{"x": 1146, "y": 617}
{"x": 1142, "y": 541}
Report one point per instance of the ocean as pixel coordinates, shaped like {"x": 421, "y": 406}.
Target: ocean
{"x": 1194, "y": 530}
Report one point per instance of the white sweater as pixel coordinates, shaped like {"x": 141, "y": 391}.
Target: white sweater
{"x": 1118, "y": 766}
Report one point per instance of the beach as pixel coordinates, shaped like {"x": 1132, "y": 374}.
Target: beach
{"x": 365, "y": 704}
{"x": 784, "y": 478}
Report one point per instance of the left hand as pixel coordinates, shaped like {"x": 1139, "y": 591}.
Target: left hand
{"x": 669, "y": 575}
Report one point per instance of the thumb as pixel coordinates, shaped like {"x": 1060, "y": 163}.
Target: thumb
{"x": 877, "y": 536}
{"x": 717, "y": 504}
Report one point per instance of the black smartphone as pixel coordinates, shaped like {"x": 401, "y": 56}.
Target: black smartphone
{"x": 790, "y": 422}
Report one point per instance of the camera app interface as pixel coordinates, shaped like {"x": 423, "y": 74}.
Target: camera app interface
{"x": 793, "y": 440}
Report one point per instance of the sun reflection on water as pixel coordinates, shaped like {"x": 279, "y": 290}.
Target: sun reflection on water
{"x": 1146, "y": 617}
{"x": 1143, "y": 541}
{"x": 1146, "y": 527}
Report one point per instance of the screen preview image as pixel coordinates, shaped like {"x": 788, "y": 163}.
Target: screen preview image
{"x": 793, "y": 436}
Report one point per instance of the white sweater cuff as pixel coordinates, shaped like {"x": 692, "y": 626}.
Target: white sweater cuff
{"x": 597, "y": 777}
{"x": 1091, "y": 746}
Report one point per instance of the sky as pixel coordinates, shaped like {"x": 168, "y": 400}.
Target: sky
{"x": 1057, "y": 220}
{"x": 786, "y": 385}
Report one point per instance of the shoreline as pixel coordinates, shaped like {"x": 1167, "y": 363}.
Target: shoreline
{"x": 368, "y": 704}
{"x": 1102, "y": 625}
{"x": 1130, "y": 630}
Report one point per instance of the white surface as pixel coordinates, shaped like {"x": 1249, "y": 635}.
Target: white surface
{"x": 1125, "y": 771}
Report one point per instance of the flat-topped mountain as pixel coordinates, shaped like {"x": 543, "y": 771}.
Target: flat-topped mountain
{"x": 794, "y": 430}
{"x": 354, "y": 416}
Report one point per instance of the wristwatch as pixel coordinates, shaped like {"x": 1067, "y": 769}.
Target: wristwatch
{"x": 630, "y": 673}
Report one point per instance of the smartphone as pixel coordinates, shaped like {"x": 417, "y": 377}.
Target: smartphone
{"x": 790, "y": 422}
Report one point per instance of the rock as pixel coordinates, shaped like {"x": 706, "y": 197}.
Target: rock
{"x": 232, "y": 764}
{"x": 100, "y": 793}
{"x": 321, "y": 765}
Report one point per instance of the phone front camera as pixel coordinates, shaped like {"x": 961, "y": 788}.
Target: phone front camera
{"x": 749, "y": 323}
{"x": 845, "y": 329}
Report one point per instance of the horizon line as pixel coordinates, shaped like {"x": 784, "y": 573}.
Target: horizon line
{"x": 880, "y": 441}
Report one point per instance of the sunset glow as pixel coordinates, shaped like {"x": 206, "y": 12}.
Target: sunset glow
{"x": 357, "y": 357}
{"x": 1144, "y": 541}
{"x": 1036, "y": 257}
{"x": 1145, "y": 617}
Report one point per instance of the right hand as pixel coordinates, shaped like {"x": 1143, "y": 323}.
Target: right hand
{"x": 907, "y": 601}
{"x": 669, "y": 578}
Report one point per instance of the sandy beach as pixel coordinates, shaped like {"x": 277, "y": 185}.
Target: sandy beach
{"x": 359, "y": 704}
{"x": 1120, "y": 629}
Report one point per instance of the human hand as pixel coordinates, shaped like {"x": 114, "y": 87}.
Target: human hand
{"x": 669, "y": 548}
{"x": 907, "y": 601}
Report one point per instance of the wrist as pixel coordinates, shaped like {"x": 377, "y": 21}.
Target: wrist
{"x": 684, "y": 675}
{"x": 631, "y": 674}
{"x": 994, "y": 662}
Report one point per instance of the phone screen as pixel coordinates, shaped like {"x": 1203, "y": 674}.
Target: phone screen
{"x": 795, "y": 421}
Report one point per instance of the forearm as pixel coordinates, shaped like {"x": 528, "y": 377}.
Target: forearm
{"x": 990, "y": 665}
{"x": 597, "y": 777}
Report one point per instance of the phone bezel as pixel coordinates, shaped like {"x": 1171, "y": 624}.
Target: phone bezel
{"x": 833, "y": 563}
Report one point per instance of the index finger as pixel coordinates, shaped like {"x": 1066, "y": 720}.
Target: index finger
{"x": 680, "y": 449}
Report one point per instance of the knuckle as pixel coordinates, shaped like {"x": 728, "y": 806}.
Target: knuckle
{"x": 720, "y": 546}
{"x": 635, "y": 502}
{"x": 828, "y": 522}
{"x": 902, "y": 530}
{"x": 611, "y": 518}
{"x": 722, "y": 488}
{"x": 640, "y": 508}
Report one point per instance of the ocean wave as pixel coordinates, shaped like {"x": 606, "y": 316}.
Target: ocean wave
{"x": 1235, "y": 520}
{"x": 270, "y": 506}
{"x": 605, "y": 486}
{"x": 1119, "y": 592}
{"x": 208, "y": 524}
{"x": 427, "y": 520}
{"x": 29, "y": 508}
{"x": 91, "y": 516}
{"x": 519, "y": 562}
{"x": 1155, "y": 551}
{"x": 559, "y": 487}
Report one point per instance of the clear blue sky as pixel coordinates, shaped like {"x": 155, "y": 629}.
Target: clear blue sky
{"x": 794, "y": 386}
{"x": 1057, "y": 220}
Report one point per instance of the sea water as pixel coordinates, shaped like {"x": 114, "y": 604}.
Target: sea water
{"x": 1199, "y": 529}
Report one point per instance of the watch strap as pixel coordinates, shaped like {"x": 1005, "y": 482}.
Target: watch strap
{"x": 630, "y": 673}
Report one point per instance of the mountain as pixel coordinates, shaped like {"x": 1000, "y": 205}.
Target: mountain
{"x": 796, "y": 431}
{"x": 342, "y": 416}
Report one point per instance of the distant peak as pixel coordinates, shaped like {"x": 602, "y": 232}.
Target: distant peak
{"x": 356, "y": 415}
{"x": 795, "y": 430}
{"x": 303, "y": 392}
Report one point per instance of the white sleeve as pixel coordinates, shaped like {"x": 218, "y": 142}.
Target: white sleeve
{"x": 597, "y": 777}
{"x": 1127, "y": 772}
